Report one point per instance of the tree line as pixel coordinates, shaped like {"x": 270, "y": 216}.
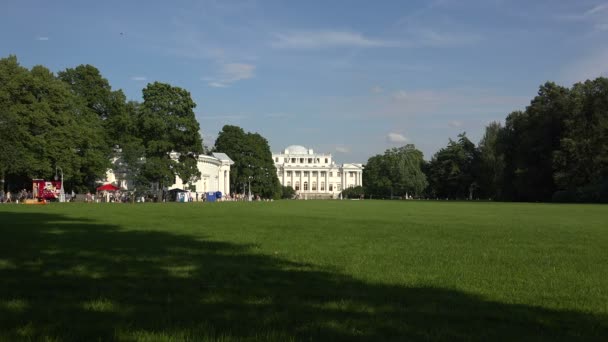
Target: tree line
{"x": 554, "y": 150}
{"x": 76, "y": 123}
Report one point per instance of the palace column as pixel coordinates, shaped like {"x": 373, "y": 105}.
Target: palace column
{"x": 309, "y": 181}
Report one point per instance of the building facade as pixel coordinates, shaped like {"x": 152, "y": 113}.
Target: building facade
{"x": 315, "y": 175}
{"x": 215, "y": 174}
{"x": 214, "y": 169}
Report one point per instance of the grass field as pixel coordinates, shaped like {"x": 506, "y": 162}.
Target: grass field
{"x": 305, "y": 270}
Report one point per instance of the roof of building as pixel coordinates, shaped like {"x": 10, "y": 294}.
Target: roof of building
{"x": 296, "y": 149}
{"x": 223, "y": 157}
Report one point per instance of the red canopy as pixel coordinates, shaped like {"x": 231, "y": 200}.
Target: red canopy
{"x": 108, "y": 187}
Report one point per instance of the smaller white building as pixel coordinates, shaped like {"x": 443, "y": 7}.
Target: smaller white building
{"x": 315, "y": 175}
{"x": 214, "y": 169}
{"x": 215, "y": 174}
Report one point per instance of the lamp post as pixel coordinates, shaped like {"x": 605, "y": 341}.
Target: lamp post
{"x": 249, "y": 187}
{"x": 62, "y": 191}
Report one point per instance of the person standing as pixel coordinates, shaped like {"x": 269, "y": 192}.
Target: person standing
{"x": 8, "y": 197}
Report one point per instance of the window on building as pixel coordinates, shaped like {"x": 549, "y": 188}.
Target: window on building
{"x": 305, "y": 173}
{"x": 325, "y": 160}
{"x": 323, "y": 173}
{"x": 338, "y": 174}
{"x": 331, "y": 174}
{"x": 276, "y": 159}
{"x": 297, "y": 173}
{"x": 331, "y": 187}
{"x": 305, "y": 186}
{"x": 286, "y": 160}
{"x": 309, "y": 160}
{"x": 339, "y": 187}
{"x": 293, "y": 160}
{"x": 351, "y": 186}
{"x": 297, "y": 186}
{"x": 288, "y": 173}
{"x": 314, "y": 186}
{"x": 322, "y": 186}
{"x": 352, "y": 174}
{"x": 301, "y": 160}
{"x": 288, "y": 183}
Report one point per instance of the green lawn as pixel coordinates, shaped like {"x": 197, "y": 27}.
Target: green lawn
{"x": 304, "y": 270}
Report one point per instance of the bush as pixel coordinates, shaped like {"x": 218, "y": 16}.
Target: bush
{"x": 593, "y": 193}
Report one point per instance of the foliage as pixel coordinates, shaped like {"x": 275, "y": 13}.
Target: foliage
{"x": 253, "y": 162}
{"x": 287, "y": 192}
{"x": 491, "y": 162}
{"x": 353, "y": 192}
{"x": 452, "y": 171}
{"x": 45, "y": 125}
{"x": 167, "y": 125}
{"x": 397, "y": 172}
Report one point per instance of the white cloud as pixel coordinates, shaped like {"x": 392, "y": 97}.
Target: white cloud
{"x": 433, "y": 38}
{"x": 42, "y": 38}
{"x": 279, "y": 115}
{"x": 467, "y": 100}
{"x": 138, "y": 78}
{"x": 230, "y": 73}
{"x": 327, "y": 39}
{"x": 396, "y": 138}
{"x": 601, "y": 27}
{"x": 597, "y": 9}
{"x": 588, "y": 67}
{"x": 217, "y": 85}
{"x": 342, "y": 149}
{"x": 455, "y": 124}
{"x": 228, "y": 117}
{"x": 376, "y": 89}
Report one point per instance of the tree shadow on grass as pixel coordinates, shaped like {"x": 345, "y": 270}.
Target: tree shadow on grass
{"x": 67, "y": 279}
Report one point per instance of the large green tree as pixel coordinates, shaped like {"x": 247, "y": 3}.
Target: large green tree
{"x": 47, "y": 126}
{"x": 167, "y": 125}
{"x": 582, "y": 156}
{"x": 253, "y": 162}
{"x": 453, "y": 170}
{"x": 491, "y": 162}
{"x": 530, "y": 139}
{"x": 397, "y": 172}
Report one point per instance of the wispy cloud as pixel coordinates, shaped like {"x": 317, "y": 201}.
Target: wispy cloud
{"x": 455, "y": 124}
{"x": 327, "y": 39}
{"x": 230, "y": 73}
{"x": 279, "y": 115}
{"x": 42, "y": 38}
{"x": 342, "y": 149}
{"x": 587, "y": 67}
{"x": 436, "y": 38}
{"x": 376, "y": 89}
{"x": 228, "y": 117}
{"x": 396, "y": 138}
{"x": 593, "y": 14}
{"x": 138, "y": 78}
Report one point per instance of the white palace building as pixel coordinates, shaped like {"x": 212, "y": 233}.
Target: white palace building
{"x": 315, "y": 175}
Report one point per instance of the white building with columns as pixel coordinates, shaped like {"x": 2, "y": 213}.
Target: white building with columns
{"x": 315, "y": 175}
{"x": 215, "y": 174}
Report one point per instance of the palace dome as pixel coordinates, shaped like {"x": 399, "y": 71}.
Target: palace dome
{"x": 296, "y": 149}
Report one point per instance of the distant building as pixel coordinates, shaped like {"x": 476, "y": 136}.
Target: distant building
{"x": 315, "y": 175}
{"x": 214, "y": 169}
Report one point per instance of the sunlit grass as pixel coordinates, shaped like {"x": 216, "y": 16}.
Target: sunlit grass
{"x": 307, "y": 270}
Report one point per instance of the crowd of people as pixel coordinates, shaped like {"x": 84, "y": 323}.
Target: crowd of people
{"x": 8, "y": 197}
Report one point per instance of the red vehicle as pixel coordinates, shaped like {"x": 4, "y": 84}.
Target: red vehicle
{"x": 46, "y": 190}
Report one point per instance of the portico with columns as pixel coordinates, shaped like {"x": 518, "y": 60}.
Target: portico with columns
{"x": 315, "y": 175}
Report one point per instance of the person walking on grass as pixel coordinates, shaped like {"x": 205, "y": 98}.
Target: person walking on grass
{"x": 8, "y": 197}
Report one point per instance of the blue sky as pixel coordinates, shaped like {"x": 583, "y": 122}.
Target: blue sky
{"x": 352, "y": 78}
